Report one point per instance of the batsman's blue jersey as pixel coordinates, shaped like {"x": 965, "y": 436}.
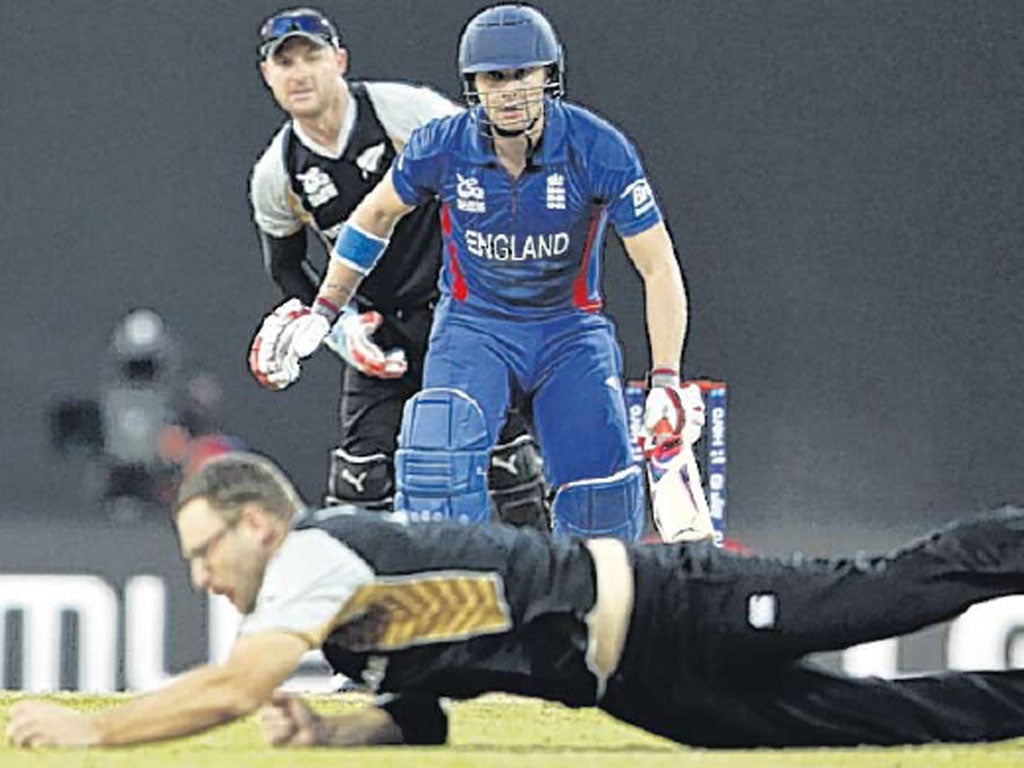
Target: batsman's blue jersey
{"x": 527, "y": 246}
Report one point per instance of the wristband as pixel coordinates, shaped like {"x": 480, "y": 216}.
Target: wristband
{"x": 358, "y": 249}
{"x": 327, "y": 308}
{"x": 664, "y": 377}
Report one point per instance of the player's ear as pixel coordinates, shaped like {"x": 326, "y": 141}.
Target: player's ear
{"x": 343, "y": 60}
{"x": 257, "y": 521}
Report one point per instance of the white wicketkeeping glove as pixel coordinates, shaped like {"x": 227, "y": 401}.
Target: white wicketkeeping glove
{"x": 288, "y": 334}
{"x": 350, "y": 340}
{"x": 672, "y": 414}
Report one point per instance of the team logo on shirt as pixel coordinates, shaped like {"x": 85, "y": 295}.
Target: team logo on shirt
{"x": 470, "y": 195}
{"x": 556, "y": 192}
{"x": 643, "y": 198}
{"x": 318, "y": 186}
{"x": 369, "y": 160}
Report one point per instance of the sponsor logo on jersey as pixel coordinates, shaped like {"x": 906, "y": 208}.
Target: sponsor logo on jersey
{"x": 556, "y": 192}
{"x": 643, "y": 198}
{"x": 470, "y": 195}
{"x": 317, "y": 185}
{"x": 502, "y": 247}
{"x": 369, "y": 160}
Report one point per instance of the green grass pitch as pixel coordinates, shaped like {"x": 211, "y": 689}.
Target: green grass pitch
{"x": 492, "y": 731}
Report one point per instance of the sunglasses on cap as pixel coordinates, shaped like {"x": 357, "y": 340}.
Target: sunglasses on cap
{"x": 303, "y": 21}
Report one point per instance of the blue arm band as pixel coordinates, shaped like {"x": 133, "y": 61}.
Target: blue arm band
{"x": 358, "y": 249}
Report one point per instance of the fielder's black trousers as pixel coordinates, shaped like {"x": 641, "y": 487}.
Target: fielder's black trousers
{"x": 714, "y": 652}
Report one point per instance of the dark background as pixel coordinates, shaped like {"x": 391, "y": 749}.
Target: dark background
{"x": 843, "y": 180}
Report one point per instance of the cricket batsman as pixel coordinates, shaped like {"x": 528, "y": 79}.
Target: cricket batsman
{"x": 528, "y": 186}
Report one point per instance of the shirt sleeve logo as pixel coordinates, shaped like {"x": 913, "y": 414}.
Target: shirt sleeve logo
{"x": 470, "y": 195}
{"x": 643, "y": 198}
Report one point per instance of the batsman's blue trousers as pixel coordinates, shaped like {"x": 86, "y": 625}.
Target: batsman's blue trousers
{"x": 569, "y": 368}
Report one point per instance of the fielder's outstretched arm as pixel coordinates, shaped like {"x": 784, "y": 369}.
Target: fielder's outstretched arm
{"x": 205, "y": 697}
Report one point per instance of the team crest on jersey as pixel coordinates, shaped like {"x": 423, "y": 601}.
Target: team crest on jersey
{"x": 369, "y": 160}
{"x": 556, "y": 192}
{"x": 643, "y": 198}
{"x": 470, "y": 195}
{"x": 318, "y": 186}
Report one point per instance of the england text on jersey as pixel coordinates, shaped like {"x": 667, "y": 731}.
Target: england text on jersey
{"x": 512, "y": 247}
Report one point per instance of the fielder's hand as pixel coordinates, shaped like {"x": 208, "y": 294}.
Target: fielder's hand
{"x": 288, "y": 722}
{"x": 350, "y": 340}
{"x": 672, "y": 414}
{"x": 42, "y": 724}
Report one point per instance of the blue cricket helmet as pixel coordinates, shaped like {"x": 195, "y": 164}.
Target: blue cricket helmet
{"x": 510, "y": 36}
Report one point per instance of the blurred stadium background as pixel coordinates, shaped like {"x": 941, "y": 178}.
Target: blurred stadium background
{"x": 844, "y": 179}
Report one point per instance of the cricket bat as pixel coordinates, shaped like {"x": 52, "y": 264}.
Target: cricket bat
{"x": 678, "y": 504}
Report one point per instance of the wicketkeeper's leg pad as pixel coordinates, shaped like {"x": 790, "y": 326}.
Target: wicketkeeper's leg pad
{"x": 365, "y": 481}
{"x": 608, "y": 506}
{"x": 442, "y": 458}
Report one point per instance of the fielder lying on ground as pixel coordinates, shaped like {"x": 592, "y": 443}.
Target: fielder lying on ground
{"x": 683, "y": 640}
